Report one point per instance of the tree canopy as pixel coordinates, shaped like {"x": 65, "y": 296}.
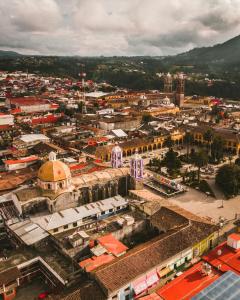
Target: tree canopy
{"x": 172, "y": 162}
{"x": 200, "y": 159}
{"x": 217, "y": 149}
{"x": 188, "y": 139}
{"x": 228, "y": 179}
{"x": 168, "y": 142}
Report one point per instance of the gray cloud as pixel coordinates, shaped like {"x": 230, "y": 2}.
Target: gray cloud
{"x": 113, "y": 27}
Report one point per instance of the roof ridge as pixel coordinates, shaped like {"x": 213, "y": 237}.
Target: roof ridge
{"x": 134, "y": 251}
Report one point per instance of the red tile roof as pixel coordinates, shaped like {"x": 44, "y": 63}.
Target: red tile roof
{"x": 22, "y": 160}
{"x": 78, "y": 166}
{"x": 147, "y": 256}
{"x": 28, "y": 100}
{"x": 188, "y": 284}
{"x": 112, "y": 245}
{"x": 235, "y": 236}
{"x": 5, "y": 127}
{"x": 224, "y": 258}
{"x": 94, "y": 262}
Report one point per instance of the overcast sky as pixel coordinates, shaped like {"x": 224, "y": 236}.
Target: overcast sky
{"x": 115, "y": 27}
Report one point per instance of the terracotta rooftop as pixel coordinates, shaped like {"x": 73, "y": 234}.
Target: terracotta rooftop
{"x": 188, "y": 284}
{"x": 222, "y": 132}
{"x": 114, "y": 276}
{"x": 94, "y": 262}
{"x": 10, "y": 181}
{"x": 89, "y": 291}
{"x": 166, "y": 219}
{"x": 22, "y": 160}
{"x": 28, "y": 101}
{"x": 112, "y": 245}
{"x": 225, "y": 258}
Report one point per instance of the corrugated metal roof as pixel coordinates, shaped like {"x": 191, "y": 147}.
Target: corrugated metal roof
{"x": 68, "y": 216}
{"x": 28, "y": 232}
{"x": 33, "y": 137}
{"x": 225, "y": 287}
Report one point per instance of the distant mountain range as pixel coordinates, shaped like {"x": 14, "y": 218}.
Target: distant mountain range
{"x": 226, "y": 52}
{"x": 219, "y": 57}
{"x": 220, "y": 61}
{"x": 9, "y": 54}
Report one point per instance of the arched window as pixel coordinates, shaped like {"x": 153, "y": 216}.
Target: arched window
{"x": 61, "y": 185}
{"x": 49, "y": 186}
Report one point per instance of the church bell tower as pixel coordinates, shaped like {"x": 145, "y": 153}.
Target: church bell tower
{"x": 168, "y": 83}
{"x": 117, "y": 157}
{"x": 136, "y": 172}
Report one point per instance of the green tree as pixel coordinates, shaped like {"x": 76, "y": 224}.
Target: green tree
{"x": 200, "y": 160}
{"x": 188, "y": 140}
{"x": 208, "y": 137}
{"x": 228, "y": 179}
{"x": 168, "y": 142}
{"x": 157, "y": 163}
{"x": 172, "y": 162}
{"x": 217, "y": 150}
{"x": 146, "y": 119}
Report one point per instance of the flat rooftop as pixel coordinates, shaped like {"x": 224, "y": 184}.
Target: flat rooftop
{"x": 188, "y": 284}
{"x": 225, "y": 258}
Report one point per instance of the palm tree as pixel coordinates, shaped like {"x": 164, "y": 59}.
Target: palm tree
{"x": 188, "y": 139}
{"x": 217, "y": 148}
{"x": 208, "y": 137}
{"x": 200, "y": 160}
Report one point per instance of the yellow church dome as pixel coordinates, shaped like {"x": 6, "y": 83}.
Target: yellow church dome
{"x": 53, "y": 170}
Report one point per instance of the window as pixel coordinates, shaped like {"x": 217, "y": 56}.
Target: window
{"x": 65, "y": 227}
{"x": 119, "y": 207}
{"x": 111, "y": 210}
{"x": 49, "y": 186}
{"x": 102, "y": 213}
{"x": 55, "y": 230}
{"x": 75, "y": 224}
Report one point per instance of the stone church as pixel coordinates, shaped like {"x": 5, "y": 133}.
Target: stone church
{"x": 56, "y": 189}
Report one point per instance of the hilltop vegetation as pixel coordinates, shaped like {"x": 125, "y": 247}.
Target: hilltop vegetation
{"x": 221, "y": 61}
